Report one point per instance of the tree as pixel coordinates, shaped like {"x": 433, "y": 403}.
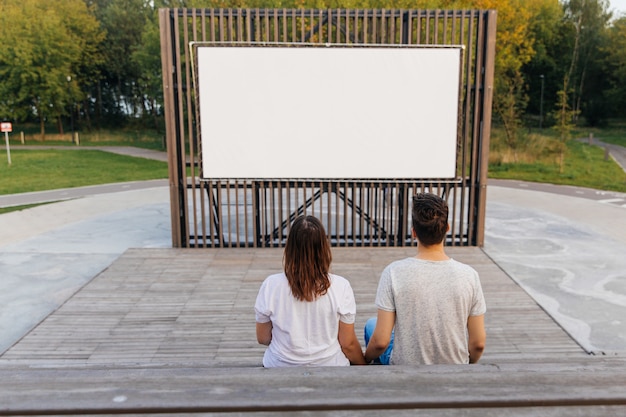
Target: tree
{"x": 564, "y": 117}
{"x": 117, "y": 95}
{"x": 147, "y": 58}
{"x": 585, "y": 26}
{"x": 615, "y": 67}
{"x": 46, "y": 41}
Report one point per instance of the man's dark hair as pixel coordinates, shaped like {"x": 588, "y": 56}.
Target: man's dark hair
{"x": 430, "y": 218}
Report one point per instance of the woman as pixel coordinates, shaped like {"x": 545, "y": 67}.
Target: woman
{"x": 305, "y": 315}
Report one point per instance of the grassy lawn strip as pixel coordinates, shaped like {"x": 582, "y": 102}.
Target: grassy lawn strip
{"x": 39, "y": 170}
{"x": 24, "y": 207}
{"x": 584, "y": 166}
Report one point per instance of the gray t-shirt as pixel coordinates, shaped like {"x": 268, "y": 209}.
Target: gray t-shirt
{"x": 432, "y": 301}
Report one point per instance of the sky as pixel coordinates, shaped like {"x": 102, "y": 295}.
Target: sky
{"x": 618, "y": 7}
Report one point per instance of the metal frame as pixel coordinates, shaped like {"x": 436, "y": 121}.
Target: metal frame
{"x": 238, "y": 213}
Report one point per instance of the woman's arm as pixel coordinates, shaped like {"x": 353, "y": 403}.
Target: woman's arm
{"x": 350, "y": 345}
{"x": 264, "y": 333}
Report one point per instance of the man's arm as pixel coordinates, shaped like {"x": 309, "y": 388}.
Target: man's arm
{"x": 382, "y": 335}
{"x": 477, "y": 337}
{"x": 349, "y": 343}
{"x": 264, "y": 333}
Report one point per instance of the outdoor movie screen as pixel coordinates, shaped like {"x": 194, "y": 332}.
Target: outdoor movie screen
{"x": 364, "y": 112}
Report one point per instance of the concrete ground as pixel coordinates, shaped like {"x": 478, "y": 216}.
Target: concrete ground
{"x": 564, "y": 245}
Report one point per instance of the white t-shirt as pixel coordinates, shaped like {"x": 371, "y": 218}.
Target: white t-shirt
{"x": 304, "y": 333}
{"x": 432, "y": 301}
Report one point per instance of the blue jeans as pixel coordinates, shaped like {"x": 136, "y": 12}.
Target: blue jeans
{"x": 383, "y": 359}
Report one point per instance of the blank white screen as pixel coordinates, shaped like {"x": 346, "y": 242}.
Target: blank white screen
{"x": 328, "y": 112}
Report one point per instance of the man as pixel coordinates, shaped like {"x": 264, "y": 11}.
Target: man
{"x": 435, "y": 303}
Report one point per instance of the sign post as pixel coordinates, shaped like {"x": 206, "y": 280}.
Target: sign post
{"x": 6, "y": 127}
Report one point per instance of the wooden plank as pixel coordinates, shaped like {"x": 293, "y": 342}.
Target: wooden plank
{"x": 153, "y": 306}
{"x": 589, "y": 383}
{"x": 172, "y": 331}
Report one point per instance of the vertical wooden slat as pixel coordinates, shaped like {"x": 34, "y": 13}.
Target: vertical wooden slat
{"x": 173, "y": 157}
{"x": 296, "y": 196}
{"x": 453, "y": 30}
{"x": 280, "y": 212}
{"x": 478, "y": 86}
{"x": 271, "y": 210}
{"x": 255, "y": 209}
{"x": 249, "y": 34}
{"x": 469, "y": 18}
{"x": 226, "y": 226}
{"x": 312, "y": 199}
{"x": 212, "y": 18}
{"x": 246, "y": 218}
{"x": 203, "y": 23}
{"x": 221, "y": 229}
{"x": 240, "y": 19}
{"x": 229, "y": 25}
{"x": 180, "y": 123}
{"x": 212, "y": 212}
{"x": 266, "y": 25}
{"x": 347, "y": 26}
{"x": 275, "y": 24}
{"x": 359, "y": 203}
{"x": 444, "y": 30}
{"x": 288, "y": 203}
{"x": 302, "y": 25}
{"x": 201, "y": 190}
{"x": 193, "y": 228}
{"x": 285, "y": 26}
{"x": 263, "y": 211}
{"x": 220, "y": 25}
{"x": 357, "y": 38}
{"x": 426, "y": 28}
{"x": 391, "y": 38}
{"x": 487, "y": 100}
{"x": 237, "y": 216}
{"x": 436, "y": 28}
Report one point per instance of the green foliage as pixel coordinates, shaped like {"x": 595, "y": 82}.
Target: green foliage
{"x": 44, "y": 43}
{"x": 37, "y": 170}
{"x": 615, "y": 66}
{"x": 564, "y": 117}
{"x": 584, "y": 166}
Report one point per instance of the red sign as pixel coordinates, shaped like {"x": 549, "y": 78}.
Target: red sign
{"x": 6, "y": 127}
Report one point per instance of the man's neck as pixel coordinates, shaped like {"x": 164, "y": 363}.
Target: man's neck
{"x": 431, "y": 252}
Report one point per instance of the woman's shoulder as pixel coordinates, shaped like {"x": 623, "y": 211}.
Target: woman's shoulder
{"x": 275, "y": 279}
{"x": 338, "y": 280}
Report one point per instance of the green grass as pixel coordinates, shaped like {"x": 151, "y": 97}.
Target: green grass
{"x": 24, "y": 207}
{"x": 584, "y": 166}
{"x": 128, "y": 136}
{"x": 38, "y": 170}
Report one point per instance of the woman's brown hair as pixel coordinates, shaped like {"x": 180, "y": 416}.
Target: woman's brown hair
{"x": 307, "y": 259}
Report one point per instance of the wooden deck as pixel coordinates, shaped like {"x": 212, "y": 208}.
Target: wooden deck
{"x": 161, "y": 324}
